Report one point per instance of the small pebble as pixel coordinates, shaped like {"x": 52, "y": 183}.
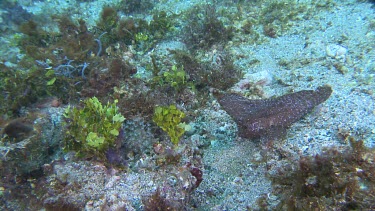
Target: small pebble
{"x": 336, "y": 51}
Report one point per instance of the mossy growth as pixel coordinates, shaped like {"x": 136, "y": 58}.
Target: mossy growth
{"x": 205, "y": 28}
{"x": 148, "y": 34}
{"x": 108, "y": 19}
{"x": 133, "y": 31}
{"x": 73, "y": 41}
{"x": 35, "y": 35}
{"x": 157, "y": 201}
{"x": 279, "y": 16}
{"x": 175, "y": 77}
{"x": 135, "y": 6}
{"x": 77, "y": 42}
{"x": 333, "y": 180}
{"x": 161, "y": 24}
{"x": 92, "y": 129}
{"x": 169, "y": 119}
{"x": 24, "y": 87}
{"x": 221, "y": 73}
{"x": 34, "y": 41}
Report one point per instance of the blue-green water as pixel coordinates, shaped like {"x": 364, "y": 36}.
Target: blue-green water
{"x": 187, "y": 105}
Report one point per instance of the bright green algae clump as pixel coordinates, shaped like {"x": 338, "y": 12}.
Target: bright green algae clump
{"x": 169, "y": 119}
{"x": 93, "y": 128}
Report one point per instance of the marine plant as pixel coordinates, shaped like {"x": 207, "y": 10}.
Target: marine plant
{"x": 92, "y": 129}
{"x": 169, "y": 118}
{"x": 333, "y": 180}
{"x": 157, "y": 201}
{"x": 133, "y": 30}
{"x": 278, "y": 16}
{"x": 73, "y": 41}
{"x": 141, "y": 37}
{"x": 221, "y": 73}
{"x": 135, "y": 6}
{"x": 161, "y": 24}
{"x": 175, "y": 77}
{"x": 108, "y": 19}
{"x": 104, "y": 85}
{"x": 205, "y": 28}
{"x": 23, "y": 87}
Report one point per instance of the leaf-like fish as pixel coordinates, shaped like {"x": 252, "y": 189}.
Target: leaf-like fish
{"x": 257, "y": 118}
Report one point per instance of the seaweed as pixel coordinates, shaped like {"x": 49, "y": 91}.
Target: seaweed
{"x": 220, "y": 73}
{"x": 159, "y": 202}
{"x": 136, "y": 6}
{"x": 108, "y": 19}
{"x": 22, "y": 88}
{"x": 93, "y": 129}
{"x": 333, "y": 180}
{"x": 204, "y": 28}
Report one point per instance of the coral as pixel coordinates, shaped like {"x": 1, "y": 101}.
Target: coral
{"x": 92, "y": 129}
{"x": 271, "y": 117}
{"x": 169, "y": 119}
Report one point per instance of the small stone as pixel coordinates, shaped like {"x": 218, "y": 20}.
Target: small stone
{"x": 336, "y": 51}
{"x": 238, "y": 180}
{"x": 311, "y": 180}
{"x": 341, "y": 68}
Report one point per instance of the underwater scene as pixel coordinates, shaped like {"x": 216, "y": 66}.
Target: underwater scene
{"x": 206, "y": 105}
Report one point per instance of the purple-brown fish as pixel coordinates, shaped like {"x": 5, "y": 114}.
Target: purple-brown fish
{"x": 257, "y": 118}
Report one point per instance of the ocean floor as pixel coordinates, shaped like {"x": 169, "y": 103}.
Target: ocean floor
{"x": 308, "y": 45}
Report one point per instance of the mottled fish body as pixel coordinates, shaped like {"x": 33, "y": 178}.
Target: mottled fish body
{"x": 257, "y": 118}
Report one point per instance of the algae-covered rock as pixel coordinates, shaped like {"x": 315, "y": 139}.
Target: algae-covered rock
{"x": 24, "y": 152}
